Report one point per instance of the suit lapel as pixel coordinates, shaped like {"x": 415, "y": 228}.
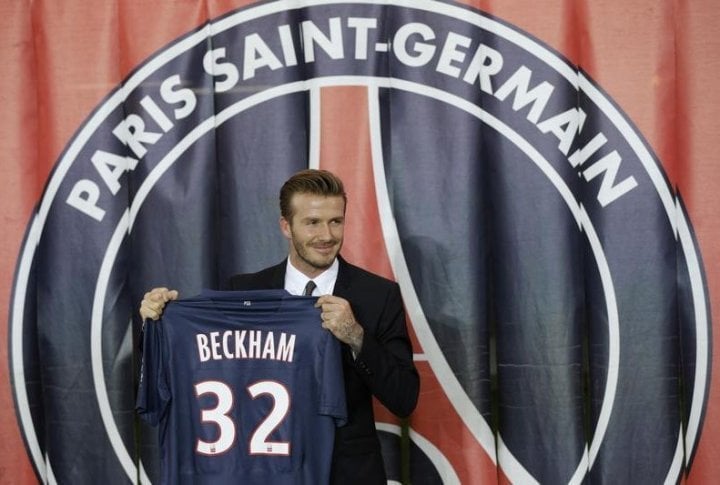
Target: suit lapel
{"x": 343, "y": 289}
{"x": 344, "y": 280}
{"x": 277, "y": 276}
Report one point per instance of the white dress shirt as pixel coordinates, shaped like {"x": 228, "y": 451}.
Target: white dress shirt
{"x": 295, "y": 281}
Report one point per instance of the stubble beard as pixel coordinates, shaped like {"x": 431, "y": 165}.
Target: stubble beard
{"x": 304, "y": 252}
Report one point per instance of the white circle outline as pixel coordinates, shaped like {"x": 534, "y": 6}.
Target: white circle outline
{"x": 464, "y": 406}
{"x": 435, "y": 455}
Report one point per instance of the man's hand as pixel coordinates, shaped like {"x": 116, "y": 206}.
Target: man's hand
{"x": 154, "y": 302}
{"x": 337, "y": 316}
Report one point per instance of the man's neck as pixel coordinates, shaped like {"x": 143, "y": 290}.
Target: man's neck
{"x": 308, "y": 270}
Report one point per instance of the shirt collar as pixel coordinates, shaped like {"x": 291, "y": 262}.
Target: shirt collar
{"x": 295, "y": 281}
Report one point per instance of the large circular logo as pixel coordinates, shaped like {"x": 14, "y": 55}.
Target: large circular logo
{"x": 549, "y": 271}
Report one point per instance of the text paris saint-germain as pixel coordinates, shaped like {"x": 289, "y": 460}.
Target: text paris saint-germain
{"x": 414, "y": 44}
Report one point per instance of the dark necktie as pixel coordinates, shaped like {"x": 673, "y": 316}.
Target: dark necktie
{"x": 309, "y": 288}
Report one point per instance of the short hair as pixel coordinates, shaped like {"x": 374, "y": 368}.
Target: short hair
{"x": 310, "y": 181}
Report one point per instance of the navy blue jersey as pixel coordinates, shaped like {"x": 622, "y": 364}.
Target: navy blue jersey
{"x": 246, "y": 387}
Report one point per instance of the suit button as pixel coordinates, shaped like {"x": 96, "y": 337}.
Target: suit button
{"x": 363, "y": 366}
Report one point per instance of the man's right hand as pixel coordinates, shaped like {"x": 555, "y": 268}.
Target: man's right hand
{"x": 154, "y": 301}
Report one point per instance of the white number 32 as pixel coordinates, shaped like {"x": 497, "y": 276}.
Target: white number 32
{"x": 259, "y": 444}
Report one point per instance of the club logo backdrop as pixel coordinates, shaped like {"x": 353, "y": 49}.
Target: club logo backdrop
{"x": 552, "y": 281}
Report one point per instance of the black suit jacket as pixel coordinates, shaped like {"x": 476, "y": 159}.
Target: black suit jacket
{"x": 383, "y": 368}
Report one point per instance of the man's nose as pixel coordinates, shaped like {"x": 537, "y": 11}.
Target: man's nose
{"x": 324, "y": 231}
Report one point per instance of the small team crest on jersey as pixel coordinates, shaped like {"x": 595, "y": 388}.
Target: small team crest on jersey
{"x": 485, "y": 141}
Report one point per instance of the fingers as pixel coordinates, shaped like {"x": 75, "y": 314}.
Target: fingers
{"x": 331, "y": 302}
{"x": 163, "y": 294}
{"x": 154, "y": 301}
{"x": 337, "y": 317}
{"x": 334, "y": 309}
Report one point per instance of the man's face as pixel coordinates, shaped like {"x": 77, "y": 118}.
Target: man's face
{"x": 315, "y": 231}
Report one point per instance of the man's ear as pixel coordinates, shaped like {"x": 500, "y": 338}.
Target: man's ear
{"x": 285, "y": 227}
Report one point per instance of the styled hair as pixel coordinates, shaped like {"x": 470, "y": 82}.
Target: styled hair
{"x": 310, "y": 181}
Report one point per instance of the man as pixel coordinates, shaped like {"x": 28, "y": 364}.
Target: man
{"x": 362, "y": 310}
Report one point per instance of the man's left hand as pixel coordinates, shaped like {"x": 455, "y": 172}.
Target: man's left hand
{"x": 337, "y": 316}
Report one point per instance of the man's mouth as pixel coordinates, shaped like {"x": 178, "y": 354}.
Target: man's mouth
{"x": 324, "y": 248}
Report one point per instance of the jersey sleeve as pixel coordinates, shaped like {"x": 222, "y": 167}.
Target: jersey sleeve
{"x": 332, "y": 382}
{"x": 153, "y": 390}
